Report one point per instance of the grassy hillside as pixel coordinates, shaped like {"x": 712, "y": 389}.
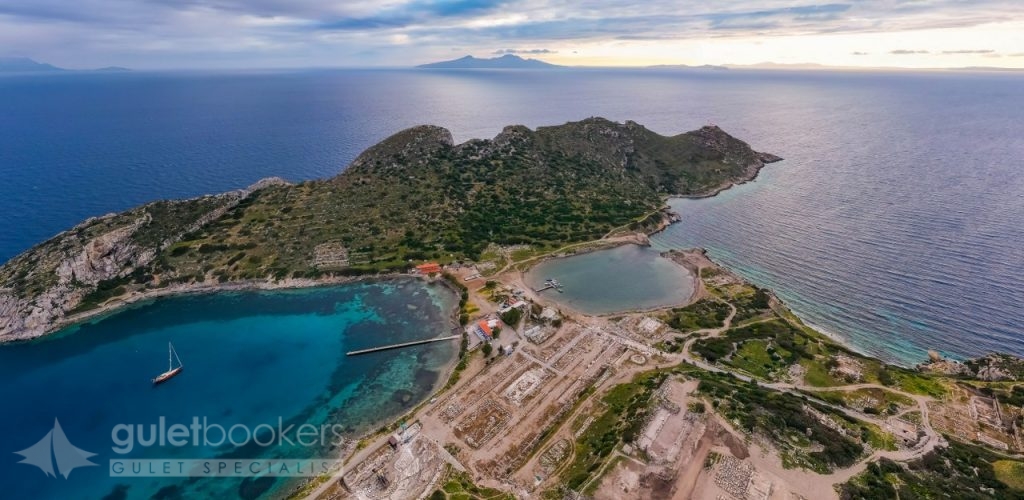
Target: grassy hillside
{"x": 414, "y": 196}
{"x": 417, "y": 196}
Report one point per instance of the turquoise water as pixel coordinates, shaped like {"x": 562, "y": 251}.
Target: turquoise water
{"x": 893, "y": 222}
{"x": 250, "y": 358}
{"x": 619, "y": 279}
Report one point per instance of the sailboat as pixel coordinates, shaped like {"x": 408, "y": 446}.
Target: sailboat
{"x": 171, "y": 370}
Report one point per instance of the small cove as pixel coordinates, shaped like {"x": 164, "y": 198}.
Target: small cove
{"x": 250, "y": 358}
{"x": 614, "y": 280}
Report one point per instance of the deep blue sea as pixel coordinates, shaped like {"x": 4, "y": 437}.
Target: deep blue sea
{"x": 272, "y": 359}
{"x": 895, "y": 222}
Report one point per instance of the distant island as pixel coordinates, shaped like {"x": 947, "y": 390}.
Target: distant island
{"x": 507, "y": 61}
{"x": 27, "y": 65}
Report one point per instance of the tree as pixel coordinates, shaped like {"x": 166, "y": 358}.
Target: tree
{"x": 487, "y": 350}
{"x": 884, "y": 377}
{"x": 512, "y": 317}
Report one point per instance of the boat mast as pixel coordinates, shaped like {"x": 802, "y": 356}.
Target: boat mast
{"x": 175, "y": 355}
{"x": 170, "y": 350}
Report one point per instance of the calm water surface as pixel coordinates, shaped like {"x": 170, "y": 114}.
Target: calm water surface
{"x": 614, "y": 280}
{"x": 250, "y": 359}
{"x": 895, "y": 221}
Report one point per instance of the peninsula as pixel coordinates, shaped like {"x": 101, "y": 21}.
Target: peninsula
{"x": 414, "y": 196}
{"x": 729, "y": 395}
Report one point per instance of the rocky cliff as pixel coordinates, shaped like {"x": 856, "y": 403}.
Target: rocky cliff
{"x": 414, "y": 196}
{"x": 44, "y": 284}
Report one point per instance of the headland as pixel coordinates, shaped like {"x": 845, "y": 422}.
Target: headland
{"x": 726, "y": 395}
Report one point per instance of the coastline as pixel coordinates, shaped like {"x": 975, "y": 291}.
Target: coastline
{"x": 638, "y": 239}
{"x": 353, "y": 445}
{"x": 386, "y": 425}
{"x": 725, "y": 391}
{"x": 109, "y": 256}
{"x": 753, "y": 171}
{"x": 697, "y": 292}
{"x": 115, "y": 305}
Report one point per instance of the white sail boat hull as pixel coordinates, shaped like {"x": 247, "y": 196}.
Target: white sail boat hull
{"x": 167, "y": 375}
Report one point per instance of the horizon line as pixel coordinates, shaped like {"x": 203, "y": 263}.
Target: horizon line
{"x": 667, "y": 66}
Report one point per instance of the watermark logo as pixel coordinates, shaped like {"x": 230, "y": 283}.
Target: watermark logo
{"x": 202, "y": 433}
{"x": 54, "y": 454}
{"x": 67, "y": 456}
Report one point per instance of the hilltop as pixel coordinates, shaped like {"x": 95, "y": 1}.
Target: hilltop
{"x": 507, "y": 61}
{"x": 414, "y": 196}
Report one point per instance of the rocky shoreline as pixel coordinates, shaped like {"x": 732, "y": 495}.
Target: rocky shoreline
{"x": 255, "y": 238}
{"x": 116, "y": 305}
{"x": 101, "y": 249}
{"x": 752, "y": 172}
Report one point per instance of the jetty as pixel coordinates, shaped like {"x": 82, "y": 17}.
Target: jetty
{"x": 399, "y": 346}
{"x": 549, "y": 284}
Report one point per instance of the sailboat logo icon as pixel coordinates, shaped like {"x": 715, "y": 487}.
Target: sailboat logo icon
{"x": 67, "y": 456}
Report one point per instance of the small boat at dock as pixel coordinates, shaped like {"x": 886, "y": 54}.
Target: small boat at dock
{"x": 171, "y": 370}
{"x": 549, "y": 284}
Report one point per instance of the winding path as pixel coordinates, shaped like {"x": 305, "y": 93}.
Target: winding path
{"x": 930, "y": 440}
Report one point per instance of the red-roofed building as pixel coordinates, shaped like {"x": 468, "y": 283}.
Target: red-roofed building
{"x": 429, "y": 268}
{"x": 484, "y": 328}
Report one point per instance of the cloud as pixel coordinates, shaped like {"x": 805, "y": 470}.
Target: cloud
{"x": 500, "y": 52}
{"x": 177, "y": 33}
{"x": 1018, "y": 54}
{"x": 903, "y": 52}
{"x": 415, "y": 13}
{"x": 860, "y": 53}
{"x": 982, "y": 51}
{"x": 773, "y": 18}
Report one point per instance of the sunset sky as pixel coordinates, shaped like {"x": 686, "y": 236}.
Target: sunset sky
{"x": 302, "y": 33}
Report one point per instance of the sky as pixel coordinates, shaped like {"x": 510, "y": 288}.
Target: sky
{"x": 169, "y": 34}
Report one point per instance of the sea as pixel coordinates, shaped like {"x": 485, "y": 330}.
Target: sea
{"x": 258, "y": 367}
{"x": 613, "y": 280}
{"x": 895, "y": 223}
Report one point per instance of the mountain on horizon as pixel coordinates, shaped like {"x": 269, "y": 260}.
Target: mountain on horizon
{"x": 25, "y": 65}
{"x": 28, "y": 65}
{"x": 507, "y": 61}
